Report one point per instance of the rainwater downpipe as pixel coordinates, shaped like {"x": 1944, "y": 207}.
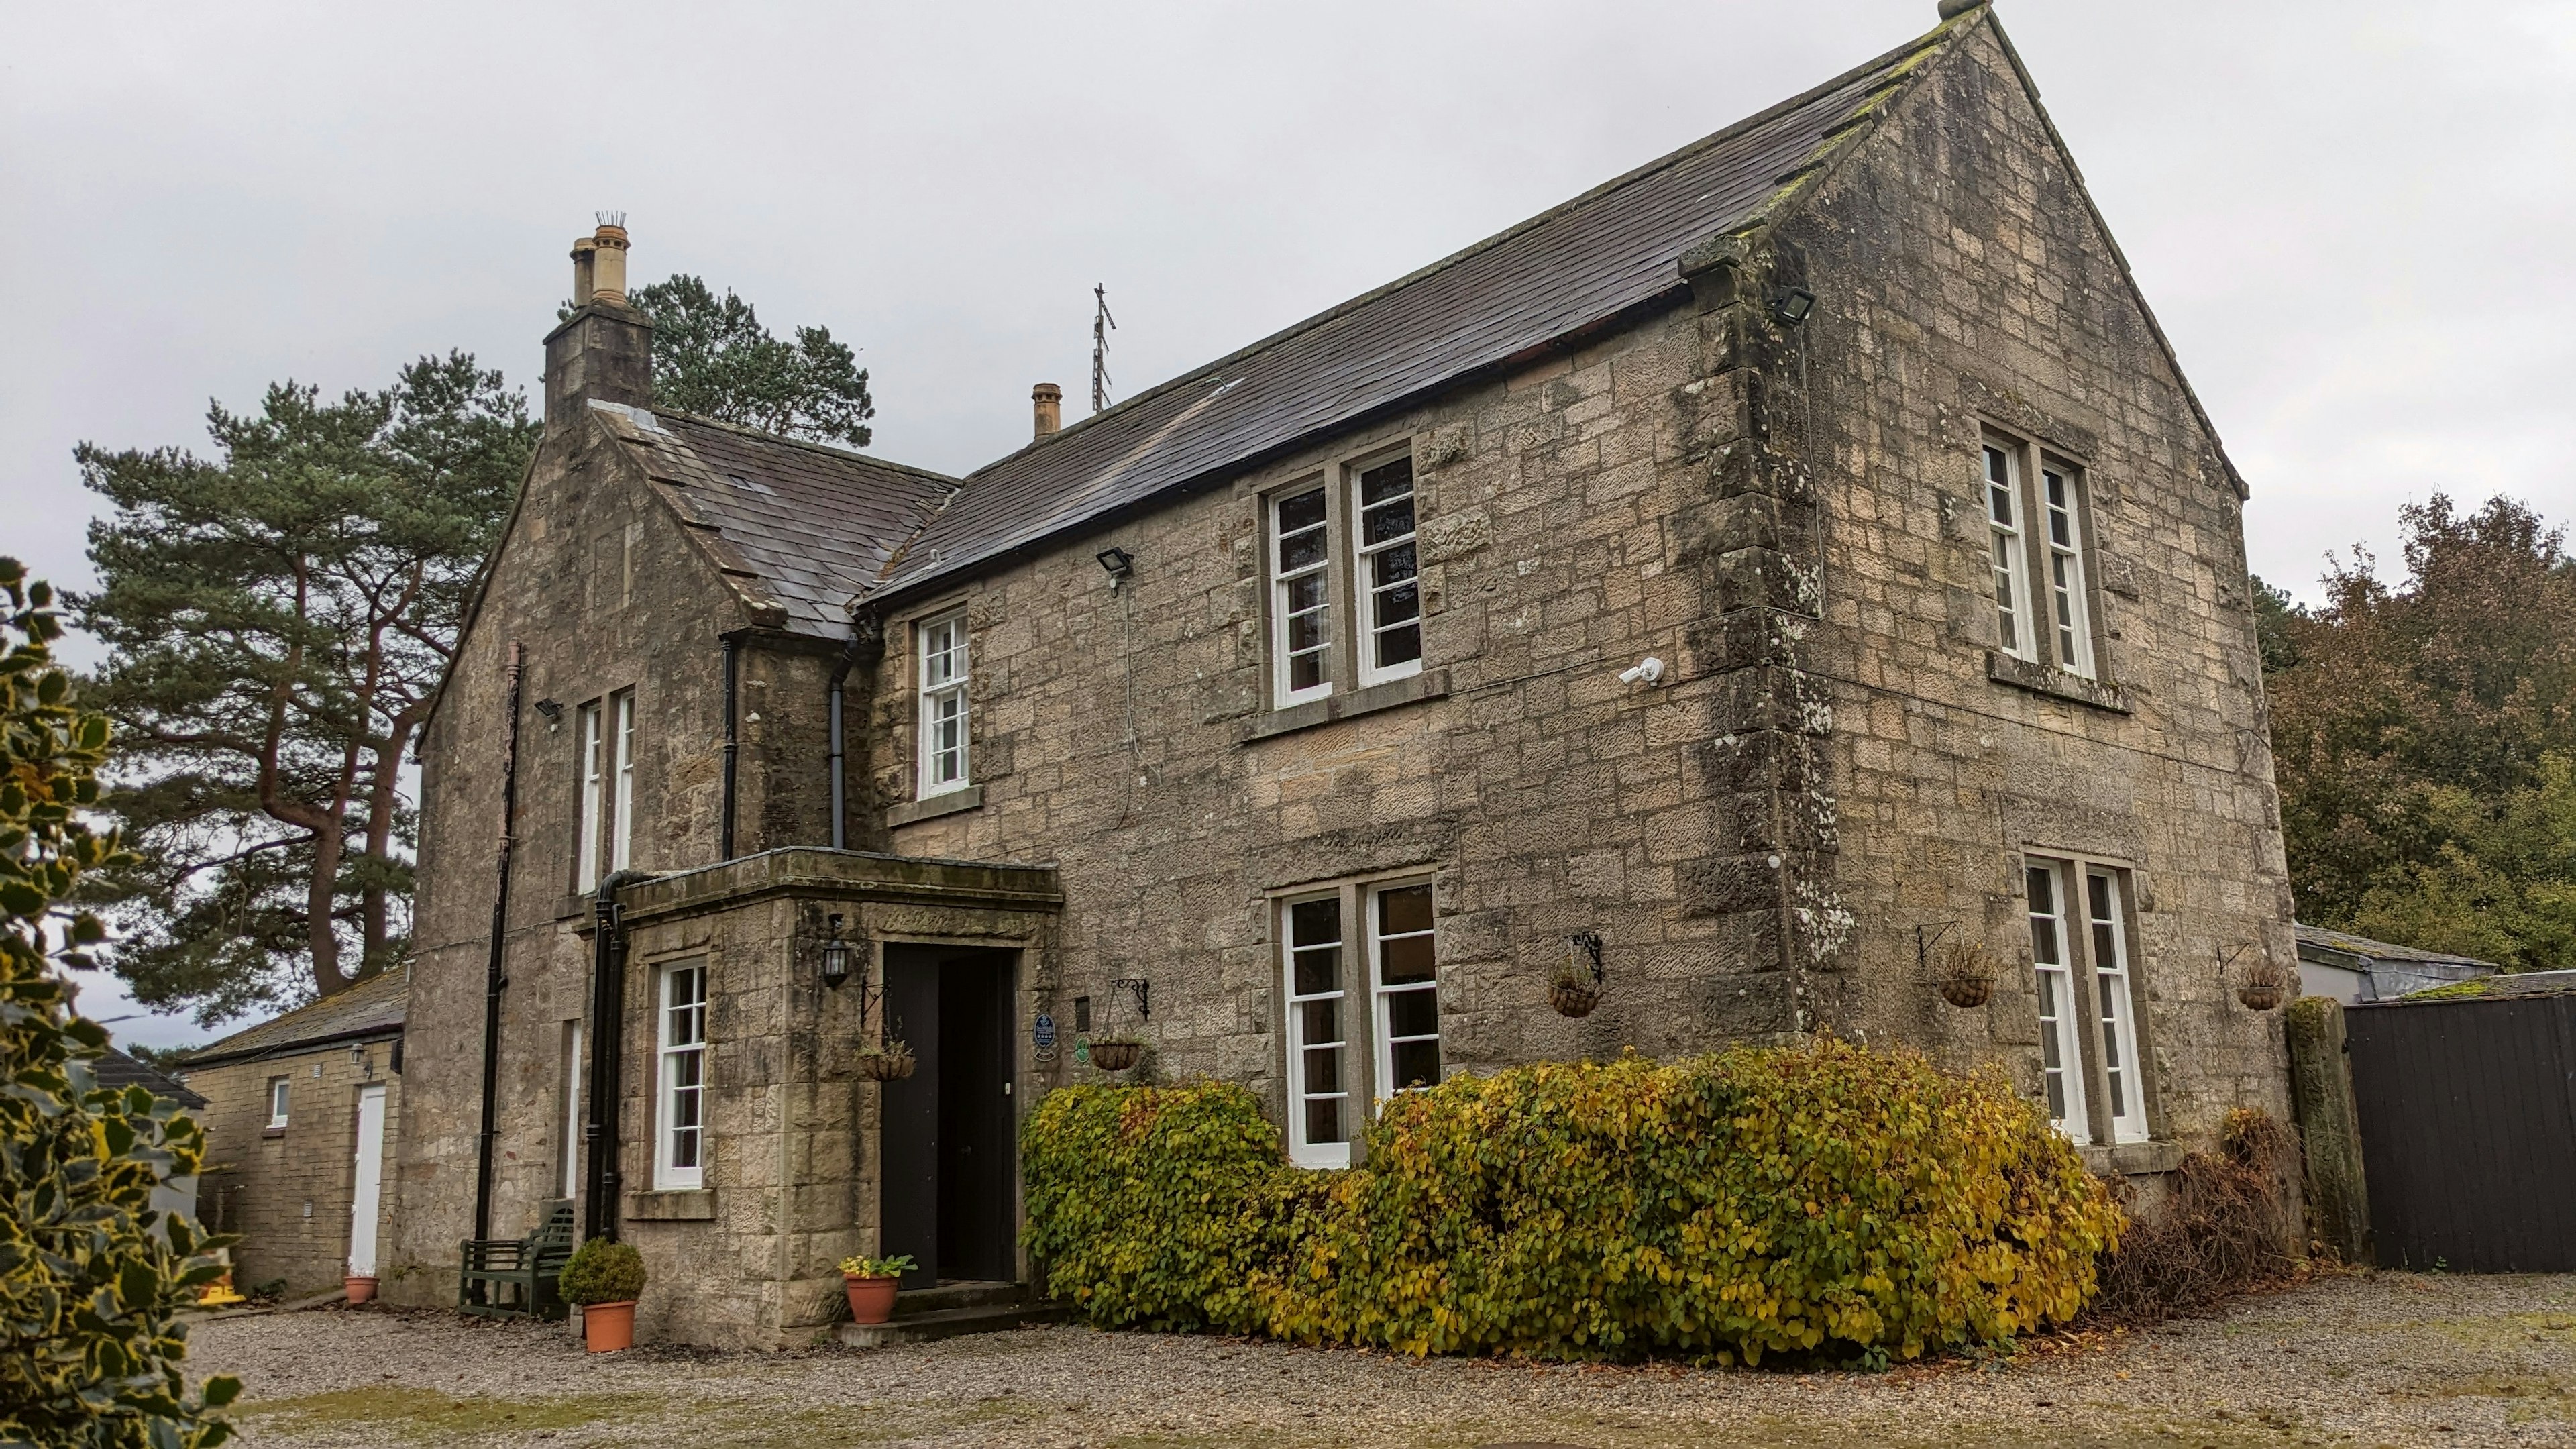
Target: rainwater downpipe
{"x": 839, "y": 752}
{"x": 494, "y": 981}
{"x": 732, "y": 746}
{"x": 603, "y": 1185}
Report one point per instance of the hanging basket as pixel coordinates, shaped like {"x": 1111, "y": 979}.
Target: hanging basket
{"x": 890, "y": 1063}
{"x": 1116, "y": 1056}
{"x": 1965, "y": 973}
{"x": 2267, "y": 984}
{"x": 1574, "y": 986}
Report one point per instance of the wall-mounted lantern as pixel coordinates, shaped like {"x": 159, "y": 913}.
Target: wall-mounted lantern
{"x": 836, "y": 960}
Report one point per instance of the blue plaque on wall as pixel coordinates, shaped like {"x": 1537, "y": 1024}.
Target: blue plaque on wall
{"x": 1043, "y": 1033}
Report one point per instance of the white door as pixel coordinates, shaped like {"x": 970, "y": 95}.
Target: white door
{"x": 371, "y": 1179}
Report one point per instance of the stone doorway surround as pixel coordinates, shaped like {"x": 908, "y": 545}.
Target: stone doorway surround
{"x": 791, "y": 1173}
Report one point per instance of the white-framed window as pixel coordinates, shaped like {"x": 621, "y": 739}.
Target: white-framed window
{"x": 276, "y": 1102}
{"x": 1319, "y": 1066}
{"x": 1387, "y": 572}
{"x": 2067, "y": 603}
{"x": 2013, "y": 629}
{"x": 594, "y": 798}
{"x": 2061, "y": 1052}
{"x": 1301, "y": 603}
{"x": 2106, "y": 911}
{"x": 1406, "y": 983}
{"x": 943, "y": 676}
{"x": 1359, "y": 981}
{"x": 679, "y": 1138}
{"x": 569, "y": 1167}
{"x": 622, "y": 798}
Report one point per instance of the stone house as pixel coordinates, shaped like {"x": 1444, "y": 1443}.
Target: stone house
{"x": 1791, "y": 557}
{"x": 300, "y": 1115}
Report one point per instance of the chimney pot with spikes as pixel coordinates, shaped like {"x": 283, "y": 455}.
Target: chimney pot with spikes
{"x": 604, "y": 351}
{"x": 1050, "y": 407}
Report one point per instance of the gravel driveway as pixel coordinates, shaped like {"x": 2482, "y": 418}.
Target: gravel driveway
{"x": 2387, "y": 1358}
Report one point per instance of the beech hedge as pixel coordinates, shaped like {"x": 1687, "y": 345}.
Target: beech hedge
{"x": 1825, "y": 1200}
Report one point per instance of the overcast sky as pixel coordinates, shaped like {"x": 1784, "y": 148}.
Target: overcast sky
{"x": 2356, "y": 218}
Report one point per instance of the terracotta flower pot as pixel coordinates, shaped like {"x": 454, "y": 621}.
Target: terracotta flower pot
{"x": 360, "y": 1289}
{"x": 871, "y": 1299}
{"x": 608, "y": 1327}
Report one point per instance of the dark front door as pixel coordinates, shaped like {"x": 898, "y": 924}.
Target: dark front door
{"x": 949, "y": 1171}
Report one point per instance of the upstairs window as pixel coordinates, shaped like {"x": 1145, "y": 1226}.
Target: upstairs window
{"x": 276, "y": 1103}
{"x": 943, "y": 677}
{"x": 607, "y": 741}
{"x": 2037, "y": 532}
{"x": 1301, "y": 604}
{"x": 1390, "y": 590}
{"x": 1345, "y": 580}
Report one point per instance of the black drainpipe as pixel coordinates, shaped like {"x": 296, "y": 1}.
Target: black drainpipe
{"x": 602, "y": 1183}
{"x": 493, "y": 980}
{"x": 732, "y": 746}
{"x": 840, "y": 676}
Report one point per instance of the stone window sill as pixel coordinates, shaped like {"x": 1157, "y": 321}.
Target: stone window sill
{"x": 696, "y": 1206}
{"x": 1394, "y": 694}
{"x": 2132, "y": 1158}
{"x": 266, "y": 1132}
{"x": 2056, "y": 683}
{"x": 953, "y": 802}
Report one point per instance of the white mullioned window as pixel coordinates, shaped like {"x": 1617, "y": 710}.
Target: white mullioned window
{"x": 943, "y": 676}
{"x": 1301, "y": 605}
{"x": 1406, "y": 985}
{"x": 1387, "y": 570}
{"x": 594, "y": 799}
{"x": 1319, "y": 1124}
{"x": 2066, "y": 571}
{"x": 2061, "y": 1052}
{"x": 277, "y": 1101}
{"x": 622, "y": 808}
{"x": 679, "y": 1156}
{"x": 2106, "y": 912}
{"x": 2013, "y": 628}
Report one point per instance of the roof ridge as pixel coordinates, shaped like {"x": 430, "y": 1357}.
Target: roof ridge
{"x": 1625, "y": 179}
{"x": 826, "y": 449}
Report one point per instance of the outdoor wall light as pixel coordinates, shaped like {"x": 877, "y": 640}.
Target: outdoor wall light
{"x": 1118, "y": 562}
{"x": 552, "y": 710}
{"x": 1790, "y": 305}
{"x": 836, "y": 957}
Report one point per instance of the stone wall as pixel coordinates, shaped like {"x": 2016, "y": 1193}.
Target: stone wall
{"x": 288, "y": 1191}
{"x": 1964, "y": 282}
{"x": 604, "y": 590}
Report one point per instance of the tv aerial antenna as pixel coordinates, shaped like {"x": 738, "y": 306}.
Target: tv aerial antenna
{"x": 1102, "y": 324}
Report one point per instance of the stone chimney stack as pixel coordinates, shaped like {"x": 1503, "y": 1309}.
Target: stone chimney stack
{"x": 604, "y": 350}
{"x": 1050, "y": 407}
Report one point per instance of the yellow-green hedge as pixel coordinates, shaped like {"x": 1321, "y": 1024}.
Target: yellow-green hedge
{"x": 1825, "y": 1198}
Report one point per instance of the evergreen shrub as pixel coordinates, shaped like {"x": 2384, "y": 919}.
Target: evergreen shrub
{"x": 600, "y": 1271}
{"x": 1825, "y": 1200}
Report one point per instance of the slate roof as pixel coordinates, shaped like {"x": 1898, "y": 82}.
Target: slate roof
{"x": 373, "y": 1008}
{"x": 798, "y": 528}
{"x": 1501, "y": 301}
{"x": 2352, "y": 945}
{"x": 116, "y": 1069}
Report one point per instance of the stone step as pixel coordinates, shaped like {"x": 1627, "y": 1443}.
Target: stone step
{"x": 950, "y": 1323}
{"x": 965, "y": 1293}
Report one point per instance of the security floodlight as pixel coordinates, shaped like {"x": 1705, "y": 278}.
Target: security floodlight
{"x": 1790, "y": 305}
{"x": 1118, "y": 562}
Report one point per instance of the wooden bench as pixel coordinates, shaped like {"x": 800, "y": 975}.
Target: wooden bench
{"x": 526, "y": 1268}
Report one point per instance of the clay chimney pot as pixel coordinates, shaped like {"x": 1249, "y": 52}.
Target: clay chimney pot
{"x": 1050, "y": 407}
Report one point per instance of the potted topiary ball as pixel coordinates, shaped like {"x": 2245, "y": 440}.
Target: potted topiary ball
{"x": 604, "y": 1279}
{"x": 870, "y": 1283}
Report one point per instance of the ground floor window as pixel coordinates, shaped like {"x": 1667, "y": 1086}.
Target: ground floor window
{"x": 679, "y": 1159}
{"x": 1361, "y": 994}
{"x": 2091, "y": 1073}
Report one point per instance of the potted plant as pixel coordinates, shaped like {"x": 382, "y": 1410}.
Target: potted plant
{"x": 870, "y": 1283}
{"x": 888, "y": 1063}
{"x": 359, "y": 1288}
{"x": 1965, "y": 973}
{"x": 604, "y": 1279}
